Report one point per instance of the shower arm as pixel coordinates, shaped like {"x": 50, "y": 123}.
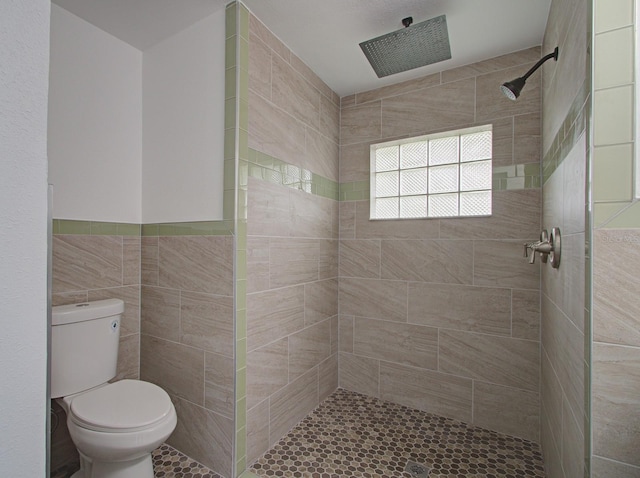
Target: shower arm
{"x": 553, "y": 55}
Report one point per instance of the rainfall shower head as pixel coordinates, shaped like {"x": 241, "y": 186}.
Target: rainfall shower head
{"x": 411, "y": 47}
{"x": 511, "y": 89}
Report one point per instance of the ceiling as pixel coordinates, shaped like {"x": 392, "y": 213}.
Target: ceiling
{"x": 326, "y": 34}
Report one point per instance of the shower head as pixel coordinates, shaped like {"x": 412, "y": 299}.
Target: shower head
{"x": 511, "y": 89}
{"x": 411, "y": 47}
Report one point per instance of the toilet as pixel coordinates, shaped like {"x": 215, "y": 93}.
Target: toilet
{"x": 114, "y": 426}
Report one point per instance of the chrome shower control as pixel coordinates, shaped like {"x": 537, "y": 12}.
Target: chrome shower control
{"x": 547, "y": 246}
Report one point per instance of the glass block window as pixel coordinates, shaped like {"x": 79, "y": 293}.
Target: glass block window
{"x": 443, "y": 175}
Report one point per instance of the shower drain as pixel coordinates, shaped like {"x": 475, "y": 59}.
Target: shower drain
{"x": 416, "y": 470}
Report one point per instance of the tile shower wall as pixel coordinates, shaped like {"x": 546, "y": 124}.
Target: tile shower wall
{"x": 292, "y": 241}
{"x": 616, "y": 247}
{"x": 94, "y": 261}
{"x": 565, "y": 324}
{"x": 187, "y": 342}
{"x": 443, "y": 314}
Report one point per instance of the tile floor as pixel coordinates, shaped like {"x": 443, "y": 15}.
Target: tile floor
{"x": 355, "y": 435}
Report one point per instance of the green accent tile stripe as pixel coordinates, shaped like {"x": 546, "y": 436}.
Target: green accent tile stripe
{"x": 574, "y": 124}
{"x": 200, "y": 228}
{"x": 516, "y": 176}
{"x": 273, "y": 170}
{"x": 95, "y": 228}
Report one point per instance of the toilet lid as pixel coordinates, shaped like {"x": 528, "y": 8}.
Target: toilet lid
{"x": 121, "y": 406}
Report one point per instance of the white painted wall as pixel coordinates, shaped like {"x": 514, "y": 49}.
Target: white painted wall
{"x": 95, "y": 123}
{"x": 183, "y": 124}
{"x": 24, "y": 56}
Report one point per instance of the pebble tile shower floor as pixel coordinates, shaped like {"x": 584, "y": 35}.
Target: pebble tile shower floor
{"x": 359, "y": 436}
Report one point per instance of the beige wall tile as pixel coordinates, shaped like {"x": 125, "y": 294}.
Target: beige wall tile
{"x": 311, "y": 77}
{"x": 501, "y": 264}
{"x": 615, "y": 402}
{"x": 360, "y": 123}
{"x": 66, "y": 298}
{"x": 160, "y": 313}
{"x": 429, "y": 261}
{"x": 426, "y": 390}
{"x": 322, "y": 154}
{"x": 516, "y": 215}
{"x": 330, "y": 119}
{"x": 309, "y": 347}
{"x": 475, "y": 309}
{"x": 446, "y": 106}
{"x": 616, "y": 312}
{"x": 573, "y": 444}
{"x": 526, "y": 138}
{"x": 275, "y": 132}
{"x": 525, "y": 319}
{"x": 177, "y": 368}
{"x": 522, "y": 57}
{"x": 206, "y": 322}
{"x": 131, "y": 250}
{"x": 410, "y": 228}
{"x": 359, "y": 374}
{"x": 564, "y": 344}
{"x": 197, "y": 263}
{"x": 219, "y": 375}
{"x": 320, "y": 301}
{"x": 573, "y": 262}
{"x": 149, "y": 260}
{"x": 86, "y": 262}
{"x": 506, "y": 410}
{"x": 360, "y": 258}
{"x": 604, "y": 468}
{"x": 573, "y": 197}
{"x": 274, "y": 314}
{"x": 498, "y": 360}
{"x": 128, "y": 357}
{"x": 291, "y": 404}
{"x": 328, "y": 377}
{"x": 257, "y": 28}
{"x": 400, "y": 343}
{"x": 311, "y": 216}
{"x": 347, "y": 220}
{"x": 204, "y": 436}
{"x": 551, "y": 398}
{"x": 398, "y": 88}
{"x": 292, "y": 261}
{"x": 346, "y": 334}
{"x": 257, "y": 264}
{"x": 295, "y": 95}
{"x": 328, "y": 260}
{"x": 503, "y": 142}
{"x": 551, "y": 453}
{"x": 334, "y": 334}
{"x": 355, "y": 162}
{"x": 268, "y": 213}
{"x": 347, "y": 101}
{"x": 376, "y": 299}
{"x": 257, "y": 431}
{"x": 259, "y": 67}
{"x": 267, "y": 371}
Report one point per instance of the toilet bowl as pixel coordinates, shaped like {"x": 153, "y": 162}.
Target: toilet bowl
{"x": 116, "y": 426}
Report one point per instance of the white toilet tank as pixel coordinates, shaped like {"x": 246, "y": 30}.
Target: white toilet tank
{"x": 84, "y": 345}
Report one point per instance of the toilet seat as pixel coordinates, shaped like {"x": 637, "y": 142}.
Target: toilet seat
{"x": 122, "y": 407}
